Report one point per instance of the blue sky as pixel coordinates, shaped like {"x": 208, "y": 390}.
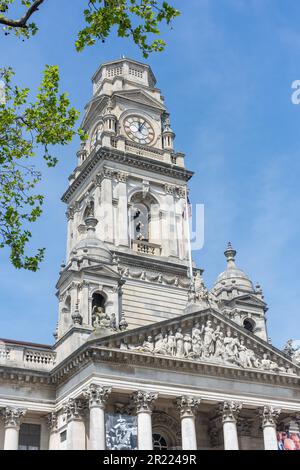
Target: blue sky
{"x": 226, "y": 76}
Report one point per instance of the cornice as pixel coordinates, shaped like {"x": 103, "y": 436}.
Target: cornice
{"x": 131, "y": 160}
{"x": 158, "y": 264}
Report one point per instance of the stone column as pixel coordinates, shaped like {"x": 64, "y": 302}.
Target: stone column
{"x": 53, "y": 437}
{"x": 74, "y": 409}
{"x": 229, "y": 412}
{"x": 12, "y": 422}
{"x": 172, "y": 236}
{"x": 122, "y": 209}
{"x": 269, "y": 417}
{"x": 144, "y": 404}
{"x": 107, "y": 205}
{"x": 187, "y": 407}
{"x": 97, "y": 397}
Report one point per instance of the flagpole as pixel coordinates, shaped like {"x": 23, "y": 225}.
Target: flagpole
{"x": 189, "y": 235}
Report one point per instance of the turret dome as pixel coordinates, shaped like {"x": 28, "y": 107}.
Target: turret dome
{"x": 92, "y": 246}
{"x": 233, "y": 276}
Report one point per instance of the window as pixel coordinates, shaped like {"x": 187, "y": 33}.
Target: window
{"x": 30, "y": 437}
{"x": 249, "y": 325}
{"x": 159, "y": 442}
{"x": 141, "y": 222}
{"x": 63, "y": 436}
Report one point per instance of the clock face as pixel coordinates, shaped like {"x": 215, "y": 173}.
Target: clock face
{"x": 139, "y": 130}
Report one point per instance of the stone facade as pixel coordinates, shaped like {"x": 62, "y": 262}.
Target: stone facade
{"x": 145, "y": 356}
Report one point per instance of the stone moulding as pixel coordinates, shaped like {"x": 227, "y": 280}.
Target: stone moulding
{"x": 129, "y": 159}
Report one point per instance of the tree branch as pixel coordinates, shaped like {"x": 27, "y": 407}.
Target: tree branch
{"x": 22, "y": 22}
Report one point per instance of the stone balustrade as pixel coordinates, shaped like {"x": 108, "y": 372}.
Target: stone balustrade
{"x": 22, "y": 356}
{"x": 145, "y": 247}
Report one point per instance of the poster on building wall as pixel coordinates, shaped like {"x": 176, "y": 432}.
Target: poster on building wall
{"x": 288, "y": 440}
{"x": 121, "y": 432}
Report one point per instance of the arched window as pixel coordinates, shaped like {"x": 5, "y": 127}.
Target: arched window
{"x": 159, "y": 442}
{"x": 98, "y": 300}
{"x": 141, "y": 219}
{"x": 99, "y": 316}
{"x": 67, "y": 305}
{"x": 144, "y": 218}
{"x": 249, "y": 324}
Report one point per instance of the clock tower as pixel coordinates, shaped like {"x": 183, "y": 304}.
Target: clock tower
{"x": 127, "y": 244}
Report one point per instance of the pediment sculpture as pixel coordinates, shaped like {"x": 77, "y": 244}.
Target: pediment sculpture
{"x": 207, "y": 341}
{"x": 293, "y": 351}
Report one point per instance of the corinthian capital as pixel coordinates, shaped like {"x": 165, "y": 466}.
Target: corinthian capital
{"x": 269, "y": 415}
{"x": 52, "y": 421}
{"x": 12, "y": 417}
{"x": 74, "y": 409}
{"x": 97, "y": 395}
{"x": 144, "y": 401}
{"x": 230, "y": 411}
{"x": 187, "y": 406}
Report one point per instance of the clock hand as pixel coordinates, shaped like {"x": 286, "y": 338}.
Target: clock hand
{"x": 141, "y": 126}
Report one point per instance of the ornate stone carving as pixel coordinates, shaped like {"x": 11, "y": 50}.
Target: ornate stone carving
{"x": 97, "y": 395}
{"x": 124, "y": 409}
{"x": 162, "y": 421}
{"x": 52, "y": 421}
{"x": 187, "y": 406}
{"x": 244, "y": 426}
{"x": 293, "y": 352}
{"x": 169, "y": 189}
{"x": 70, "y": 213}
{"x": 100, "y": 319}
{"x": 74, "y": 409}
{"x": 288, "y": 348}
{"x": 296, "y": 357}
{"x": 76, "y": 317}
{"x": 181, "y": 192}
{"x": 230, "y": 411}
{"x": 12, "y": 417}
{"x": 215, "y": 432}
{"x": 144, "y": 401}
{"x": 206, "y": 341}
{"x": 198, "y": 293}
{"x": 123, "y": 325}
{"x": 121, "y": 176}
{"x": 269, "y": 415}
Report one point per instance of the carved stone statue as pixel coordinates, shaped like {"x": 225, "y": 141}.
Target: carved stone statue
{"x": 99, "y": 318}
{"x": 90, "y": 209}
{"x": 267, "y": 364}
{"x": 171, "y": 343}
{"x": 187, "y": 345}
{"x": 208, "y": 339}
{"x": 296, "y": 357}
{"x": 148, "y": 345}
{"x": 179, "y": 343}
{"x": 289, "y": 349}
{"x": 197, "y": 346}
{"x": 219, "y": 345}
{"x": 160, "y": 344}
{"x": 231, "y": 348}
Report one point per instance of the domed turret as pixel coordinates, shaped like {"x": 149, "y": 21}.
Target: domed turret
{"x": 91, "y": 245}
{"x": 232, "y": 277}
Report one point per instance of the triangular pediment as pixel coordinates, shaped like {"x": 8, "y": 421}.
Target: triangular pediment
{"x": 140, "y": 96}
{"x": 249, "y": 299}
{"x": 94, "y": 107}
{"x": 97, "y": 268}
{"x": 102, "y": 269}
{"x": 205, "y": 337}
